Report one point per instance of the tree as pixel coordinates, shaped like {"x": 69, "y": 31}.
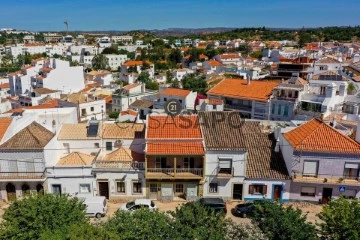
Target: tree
{"x": 140, "y": 224}
{"x": 257, "y": 54}
{"x": 244, "y": 232}
{"x": 109, "y": 50}
{"x": 193, "y": 221}
{"x": 100, "y": 62}
{"x": 169, "y": 76}
{"x": 144, "y": 77}
{"x": 351, "y": 89}
{"x": 37, "y": 214}
{"x": 194, "y": 83}
{"x": 145, "y": 65}
{"x": 340, "y": 219}
{"x": 282, "y": 223}
{"x": 113, "y": 115}
{"x": 175, "y": 56}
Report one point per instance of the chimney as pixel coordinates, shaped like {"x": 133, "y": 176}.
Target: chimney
{"x": 248, "y": 80}
{"x": 142, "y": 87}
{"x": 277, "y": 146}
{"x": 357, "y": 138}
{"x": 277, "y": 132}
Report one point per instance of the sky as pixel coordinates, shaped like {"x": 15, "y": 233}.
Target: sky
{"x": 49, "y": 15}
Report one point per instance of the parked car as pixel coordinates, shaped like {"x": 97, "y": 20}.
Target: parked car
{"x": 216, "y": 204}
{"x": 244, "y": 209}
{"x": 95, "y": 206}
{"x": 137, "y": 204}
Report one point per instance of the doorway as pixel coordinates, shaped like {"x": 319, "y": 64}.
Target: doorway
{"x": 56, "y": 189}
{"x": 153, "y": 191}
{"x": 277, "y": 192}
{"x": 237, "y": 191}
{"x": 179, "y": 190}
{"x": 326, "y": 195}
{"x": 40, "y": 189}
{"x": 11, "y": 192}
{"x": 104, "y": 189}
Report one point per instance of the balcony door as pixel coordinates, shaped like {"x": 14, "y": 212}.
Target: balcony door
{"x": 160, "y": 162}
{"x": 189, "y": 163}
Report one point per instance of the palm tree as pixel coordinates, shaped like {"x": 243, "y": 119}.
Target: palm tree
{"x": 100, "y": 62}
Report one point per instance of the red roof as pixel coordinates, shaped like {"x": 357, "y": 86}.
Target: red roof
{"x": 175, "y": 148}
{"x": 130, "y": 86}
{"x": 4, "y": 125}
{"x": 4, "y": 85}
{"x": 214, "y": 63}
{"x": 180, "y": 127}
{"x": 176, "y": 92}
{"x": 135, "y": 63}
{"x": 317, "y": 136}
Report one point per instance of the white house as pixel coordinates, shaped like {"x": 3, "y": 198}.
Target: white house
{"x": 116, "y": 60}
{"x": 135, "y": 67}
{"x": 186, "y": 98}
{"x": 102, "y": 77}
{"x": 225, "y": 154}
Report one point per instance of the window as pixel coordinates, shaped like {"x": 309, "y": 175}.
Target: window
{"x": 160, "y": 162}
{"x": 308, "y": 191}
{"x": 67, "y": 147}
{"x": 137, "y": 188}
{"x": 286, "y": 111}
{"x": 189, "y": 162}
{"x": 165, "y": 99}
{"x": 180, "y": 101}
{"x": 179, "y": 188}
{"x": 85, "y": 188}
{"x": 310, "y": 168}
{"x": 351, "y": 170}
{"x": 225, "y": 165}
{"x": 257, "y": 189}
{"x": 213, "y": 187}
{"x": 108, "y": 146}
{"x": 279, "y": 110}
{"x": 120, "y": 187}
{"x": 96, "y": 145}
{"x": 273, "y": 109}
{"x": 92, "y": 109}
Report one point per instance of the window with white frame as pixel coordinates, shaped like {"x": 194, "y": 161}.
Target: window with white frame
{"x": 120, "y": 187}
{"x": 225, "y": 165}
{"x": 308, "y": 191}
{"x": 351, "y": 170}
{"x": 310, "y": 168}
{"x": 85, "y": 188}
{"x": 213, "y": 187}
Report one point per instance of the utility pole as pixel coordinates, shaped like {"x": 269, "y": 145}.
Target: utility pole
{"x": 67, "y": 26}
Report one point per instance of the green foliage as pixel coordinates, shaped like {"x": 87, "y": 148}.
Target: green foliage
{"x": 169, "y": 76}
{"x": 144, "y": 77}
{"x": 113, "y": 115}
{"x": 110, "y": 50}
{"x": 140, "y": 224}
{"x": 175, "y": 56}
{"x": 39, "y": 214}
{"x": 351, "y": 88}
{"x": 282, "y": 223}
{"x": 161, "y": 66}
{"x": 194, "y": 83}
{"x": 340, "y": 219}
{"x": 193, "y": 221}
{"x": 145, "y": 65}
{"x": 257, "y": 54}
{"x": 100, "y": 62}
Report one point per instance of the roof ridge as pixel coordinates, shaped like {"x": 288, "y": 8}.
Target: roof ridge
{"x": 308, "y": 136}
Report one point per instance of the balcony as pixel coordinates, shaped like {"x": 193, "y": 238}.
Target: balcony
{"x": 119, "y": 165}
{"x": 22, "y": 175}
{"x": 172, "y": 173}
{"x": 225, "y": 173}
{"x": 327, "y": 179}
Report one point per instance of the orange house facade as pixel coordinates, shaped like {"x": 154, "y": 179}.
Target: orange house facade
{"x": 174, "y": 158}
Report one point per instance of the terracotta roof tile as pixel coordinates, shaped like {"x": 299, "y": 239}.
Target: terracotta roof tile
{"x": 123, "y": 131}
{"x": 175, "y": 148}
{"x": 4, "y": 125}
{"x": 222, "y": 135}
{"x": 330, "y": 73}
{"x": 259, "y": 90}
{"x": 32, "y": 137}
{"x": 317, "y": 136}
{"x": 176, "y": 92}
{"x": 77, "y": 131}
{"x": 135, "y": 63}
{"x": 76, "y": 159}
{"x": 129, "y": 112}
{"x": 214, "y": 63}
{"x": 262, "y": 160}
{"x": 45, "y": 90}
{"x": 180, "y": 127}
{"x": 54, "y": 103}
{"x": 140, "y": 103}
{"x": 124, "y": 154}
{"x": 130, "y": 86}
{"x": 4, "y": 85}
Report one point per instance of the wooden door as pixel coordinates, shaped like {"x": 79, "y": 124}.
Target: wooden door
{"x": 104, "y": 189}
{"x": 277, "y": 193}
